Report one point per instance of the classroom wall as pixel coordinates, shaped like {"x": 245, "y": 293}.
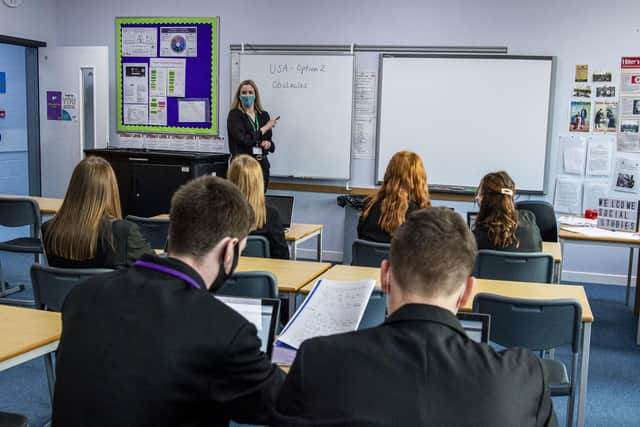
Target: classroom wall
{"x": 575, "y": 31}
{"x": 34, "y": 20}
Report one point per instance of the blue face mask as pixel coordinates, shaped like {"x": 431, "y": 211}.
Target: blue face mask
{"x": 247, "y": 100}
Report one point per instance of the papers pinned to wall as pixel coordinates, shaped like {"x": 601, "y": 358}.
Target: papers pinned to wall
{"x": 568, "y": 195}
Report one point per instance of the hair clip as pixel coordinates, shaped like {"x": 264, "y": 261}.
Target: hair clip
{"x": 507, "y": 191}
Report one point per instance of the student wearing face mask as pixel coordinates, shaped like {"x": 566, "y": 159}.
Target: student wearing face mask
{"x": 150, "y": 346}
{"x": 249, "y": 127}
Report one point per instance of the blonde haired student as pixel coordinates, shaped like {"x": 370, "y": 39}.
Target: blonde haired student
{"x": 499, "y": 225}
{"x": 403, "y": 191}
{"x": 246, "y": 173}
{"x": 88, "y": 231}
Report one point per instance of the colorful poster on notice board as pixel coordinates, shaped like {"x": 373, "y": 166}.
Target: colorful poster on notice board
{"x": 167, "y": 75}
{"x": 3, "y": 82}
{"x": 54, "y": 105}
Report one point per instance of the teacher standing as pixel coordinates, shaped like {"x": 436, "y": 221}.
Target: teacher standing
{"x": 249, "y": 127}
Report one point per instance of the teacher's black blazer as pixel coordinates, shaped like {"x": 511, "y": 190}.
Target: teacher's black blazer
{"x": 419, "y": 368}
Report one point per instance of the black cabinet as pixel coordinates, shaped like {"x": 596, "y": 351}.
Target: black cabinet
{"x": 148, "y": 179}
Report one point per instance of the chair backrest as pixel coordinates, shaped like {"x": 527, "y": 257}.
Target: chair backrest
{"x": 251, "y": 284}
{"x": 51, "y": 285}
{"x": 545, "y": 218}
{"x": 369, "y": 254}
{"x": 155, "y": 230}
{"x": 376, "y": 310}
{"x": 20, "y": 211}
{"x": 516, "y": 266}
{"x": 533, "y": 324}
{"x": 257, "y": 246}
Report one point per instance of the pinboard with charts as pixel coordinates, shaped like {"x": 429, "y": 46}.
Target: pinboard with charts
{"x": 167, "y": 75}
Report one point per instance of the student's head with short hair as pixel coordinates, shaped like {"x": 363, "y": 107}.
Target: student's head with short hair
{"x": 246, "y": 173}
{"x": 405, "y": 181}
{"x": 91, "y": 201}
{"x": 497, "y": 209}
{"x": 203, "y": 212}
{"x": 431, "y": 260}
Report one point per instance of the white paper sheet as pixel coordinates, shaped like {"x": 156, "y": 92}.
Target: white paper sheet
{"x": 139, "y": 41}
{"x": 192, "y": 111}
{"x": 179, "y": 41}
{"x": 577, "y": 220}
{"x": 567, "y": 195}
{"x": 172, "y": 72}
{"x": 135, "y": 83}
{"x": 574, "y": 159}
{"x": 136, "y": 114}
{"x": 332, "y": 307}
{"x": 158, "y": 81}
{"x": 599, "y": 154}
{"x": 626, "y": 174}
{"x": 363, "y": 139}
{"x": 158, "y": 111}
{"x": 130, "y": 140}
{"x": 592, "y": 192}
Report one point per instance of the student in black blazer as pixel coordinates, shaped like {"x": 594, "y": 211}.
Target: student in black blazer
{"x": 499, "y": 225}
{"x": 403, "y": 190}
{"x": 249, "y": 127}
{"x": 246, "y": 174}
{"x": 418, "y": 368}
{"x": 150, "y": 346}
{"x": 88, "y": 231}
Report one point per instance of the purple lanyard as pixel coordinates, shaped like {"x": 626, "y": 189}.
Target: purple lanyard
{"x": 167, "y": 270}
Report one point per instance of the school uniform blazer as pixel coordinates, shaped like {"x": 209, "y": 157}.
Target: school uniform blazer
{"x": 140, "y": 347}
{"x": 418, "y": 368}
{"x": 527, "y": 232}
{"x": 369, "y": 227}
{"x": 274, "y": 232}
{"x": 122, "y": 248}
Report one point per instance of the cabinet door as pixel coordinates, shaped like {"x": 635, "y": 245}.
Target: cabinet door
{"x": 153, "y": 186}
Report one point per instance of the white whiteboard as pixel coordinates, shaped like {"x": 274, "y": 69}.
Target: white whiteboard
{"x": 467, "y": 116}
{"x": 313, "y": 96}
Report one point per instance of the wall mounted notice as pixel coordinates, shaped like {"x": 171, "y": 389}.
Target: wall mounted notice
{"x": 167, "y": 75}
{"x": 628, "y": 135}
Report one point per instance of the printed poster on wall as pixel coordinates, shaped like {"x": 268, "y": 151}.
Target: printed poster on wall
{"x": 580, "y": 116}
{"x": 628, "y": 135}
{"x": 54, "y": 105}
{"x": 70, "y": 107}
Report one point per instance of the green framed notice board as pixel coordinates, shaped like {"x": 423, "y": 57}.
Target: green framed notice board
{"x": 167, "y": 75}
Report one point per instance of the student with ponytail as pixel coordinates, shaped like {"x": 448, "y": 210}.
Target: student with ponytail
{"x": 499, "y": 225}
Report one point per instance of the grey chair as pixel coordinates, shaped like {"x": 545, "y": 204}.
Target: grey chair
{"x": 51, "y": 286}
{"x": 251, "y": 284}
{"x": 538, "y": 325}
{"x": 369, "y": 254}
{"x": 257, "y": 246}
{"x": 515, "y": 266}
{"x": 376, "y": 310}
{"x": 545, "y": 218}
{"x": 155, "y": 230}
{"x": 20, "y": 212}
{"x": 7, "y": 419}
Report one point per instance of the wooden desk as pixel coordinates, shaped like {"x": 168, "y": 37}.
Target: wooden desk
{"x": 555, "y": 249}
{"x": 295, "y": 235}
{"x": 568, "y": 237}
{"x": 291, "y": 275}
{"x": 26, "y": 334}
{"x": 299, "y": 233}
{"x": 508, "y": 289}
{"x": 48, "y": 206}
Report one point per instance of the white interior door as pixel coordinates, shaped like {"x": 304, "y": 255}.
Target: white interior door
{"x": 74, "y": 110}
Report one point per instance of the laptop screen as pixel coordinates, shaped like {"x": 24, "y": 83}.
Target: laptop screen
{"x": 263, "y": 313}
{"x": 471, "y": 219}
{"x": 284, "y": 206}
{"x": 476, "y": 325}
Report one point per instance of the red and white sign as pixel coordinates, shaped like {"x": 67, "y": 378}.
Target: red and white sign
{"x": 630, "y": 62}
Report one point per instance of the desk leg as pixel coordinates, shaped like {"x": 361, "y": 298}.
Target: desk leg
{"x": 291, "y": 298}
{"x": 319, "y": 247}
{"x": 636, "y": 309}
{"x": 292, "y": 250}
{"x": 584, "y": 372}
{"x": 629, "y": 273}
